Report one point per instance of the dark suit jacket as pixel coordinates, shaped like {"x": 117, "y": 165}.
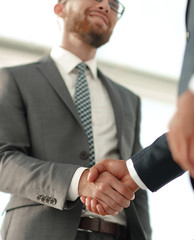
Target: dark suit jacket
{"x": 154, "y": 164}
{"x": 42, "y": 143}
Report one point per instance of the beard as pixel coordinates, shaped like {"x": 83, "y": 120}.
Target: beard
{"x": 92, "y": 34}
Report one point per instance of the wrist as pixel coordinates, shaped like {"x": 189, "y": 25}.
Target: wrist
{"x": 133, "y": 185}
{"x": 136, "y": 181}
{"x": 82, "y": 182}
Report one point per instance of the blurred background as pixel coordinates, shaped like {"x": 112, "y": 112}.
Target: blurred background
{"x": 145, "y": 55}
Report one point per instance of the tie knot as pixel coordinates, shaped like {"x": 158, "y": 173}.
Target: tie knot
{"x": 81, "y": 67}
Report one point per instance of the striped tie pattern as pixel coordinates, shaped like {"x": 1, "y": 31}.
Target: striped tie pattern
{"x": 83, "y": 105}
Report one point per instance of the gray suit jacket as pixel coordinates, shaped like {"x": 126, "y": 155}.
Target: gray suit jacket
{"x": 154, "y": 164}
{"x": 42, "y": 143}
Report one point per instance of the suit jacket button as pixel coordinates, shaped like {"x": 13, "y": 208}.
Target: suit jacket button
{"x": 84, "y": 155}
{"x": 38, "y": 197}
{"x": 42, "y": 198}
{"x": 53, "y": 201}
{"x": 47, "y": 200}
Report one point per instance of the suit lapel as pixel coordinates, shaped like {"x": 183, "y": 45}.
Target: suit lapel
{"x": 50, "y": 72}
{"x": 117, "y": 104}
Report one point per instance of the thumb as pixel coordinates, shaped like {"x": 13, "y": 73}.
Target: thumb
{"x": 93, "y": 174}
{"x": 95, "y": 171}
{"x": 83, "y": 199}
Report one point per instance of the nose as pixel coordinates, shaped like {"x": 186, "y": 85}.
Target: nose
{"x": 104, "y": 5}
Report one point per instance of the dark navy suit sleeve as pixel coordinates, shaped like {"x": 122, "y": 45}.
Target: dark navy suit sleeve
{"x": 155, "y": 166}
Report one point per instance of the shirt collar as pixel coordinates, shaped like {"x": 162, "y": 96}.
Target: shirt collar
{"x": 68, "y": 61}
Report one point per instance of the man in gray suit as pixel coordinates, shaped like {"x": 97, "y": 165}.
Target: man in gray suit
{"x": 162, "y": 161}
{"x": 47, "y": 141}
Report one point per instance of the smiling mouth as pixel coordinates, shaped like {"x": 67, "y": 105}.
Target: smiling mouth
{"x": 99, "y": 16}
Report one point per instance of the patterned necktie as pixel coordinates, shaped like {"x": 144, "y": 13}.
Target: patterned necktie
{"x": 83, "y": 105}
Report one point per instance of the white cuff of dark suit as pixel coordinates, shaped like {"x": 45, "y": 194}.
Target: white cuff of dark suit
{"x": 134, "y": 174}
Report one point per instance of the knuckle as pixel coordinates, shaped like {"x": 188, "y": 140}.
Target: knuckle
{"x": 110, "y": 205}
{"x": 126, "y": 192}
{"x": 96, "y": 193}
{"x": 123, "y": 202}
{"x": 116, "y": 206}
{"x": 107, "y": 209}
{"x": 123, "y": 190}
{"x": 127, "y": 204}
{"x": 102, "y": 187}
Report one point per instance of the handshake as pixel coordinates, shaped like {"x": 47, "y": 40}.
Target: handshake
{"x": 107, "y": 187}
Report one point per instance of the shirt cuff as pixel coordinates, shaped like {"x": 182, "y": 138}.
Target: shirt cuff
{"x": 191, "y": 84}
{"x": 72, "y": 194}
{"x": 134, "y": 175}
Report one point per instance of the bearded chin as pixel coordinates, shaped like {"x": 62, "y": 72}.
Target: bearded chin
{"x": 95, "y": 39}
{"x": 94, "y": 36}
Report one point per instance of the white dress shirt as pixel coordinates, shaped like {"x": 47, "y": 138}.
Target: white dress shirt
{"x": 103, "y": 119}
{"x": 130, "y": 165}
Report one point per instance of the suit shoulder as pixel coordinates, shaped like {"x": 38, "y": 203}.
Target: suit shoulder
{"x": 23, "y": 73}
{"x": 19, "y": 68}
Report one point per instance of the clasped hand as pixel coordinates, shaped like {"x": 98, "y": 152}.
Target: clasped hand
{"x": 107, "y": 187}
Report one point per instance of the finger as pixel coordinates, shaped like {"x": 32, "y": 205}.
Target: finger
{"x": 93, "y": 174}
{"x": 91, "y": 205}
{"x": 123, "y": 189}
{"x": 94, "y": 207}
{"x": 95, "y": 191}
{"x": 95, "y": 171}
{"x": 112, "y": 208}
{"x": 120, "y": 192}
{"x": 120, "y": 199}
{"x": 102, "y": 212}
{"x": 106, "y": 201}
{"x": 83, "y": 199}
{"x": 104, "y": 209}
{"x": 111, "y": 197}
{"x": 88, "y": 204}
